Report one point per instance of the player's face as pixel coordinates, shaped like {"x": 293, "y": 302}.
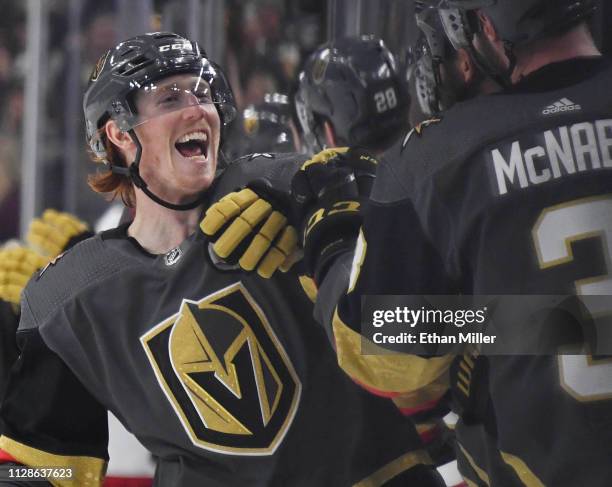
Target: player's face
{"x": 457, "y": 75}
{"x": 490, "y": 45}
{"x": 179, "y": 138}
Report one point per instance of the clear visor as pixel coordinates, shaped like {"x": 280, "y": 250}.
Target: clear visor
{"x": 174, "y": 93}
{"x": 422, "y": 72}
{"x": 426, "y": 86}
{"x": 303, "y": 114}
{"x": 430, "y": 25}
{"x": 466, "y": 4}
{"x": 306, "y": 120}
{"x": 456, "y": 27}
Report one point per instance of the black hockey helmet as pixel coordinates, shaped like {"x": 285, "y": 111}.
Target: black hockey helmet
{"x": 426, "y": 56}
{"x": 267, "y": 126}
{"x": 355, "y": 84}
{"x": 519, "y": 21}
{"x": 121, "y": 71}
{"x": 134, "y": 66}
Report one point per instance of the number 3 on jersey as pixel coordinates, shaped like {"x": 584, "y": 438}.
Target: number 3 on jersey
{"x": 556, "y": 229}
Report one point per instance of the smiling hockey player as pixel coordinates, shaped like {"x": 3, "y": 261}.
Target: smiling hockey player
{"x": 222, "y": 376}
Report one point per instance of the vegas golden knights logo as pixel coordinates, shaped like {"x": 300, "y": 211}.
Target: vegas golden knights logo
{"x": 418, "y": 130}
{"x": 319, "y": 67}
{"x": 98, "y": 67}
{"x": 225, "y": 373}
{"x": 251, "y": 125}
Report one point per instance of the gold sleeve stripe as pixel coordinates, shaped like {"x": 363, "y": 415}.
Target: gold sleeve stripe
{"x": 469, "y": 483}
{"x": 522, "y": 470}
{"x": 463, "y": 378}
{"x": 482, "y": 475}
{"x": 469, "y": 360}
{"x": 385, "y": 371}
{"x": 472, "y": 351}
{"x": 464, "y": 389}
{"x": 424, "y": 427}
{"x": 87, "y": 471}
{"x": 397, "y": 466}
{"x": 465, "y": 368}
{"x": 422, "y": 400}
{"x": 309, "y": 287}
{"x": 428, "y": 432}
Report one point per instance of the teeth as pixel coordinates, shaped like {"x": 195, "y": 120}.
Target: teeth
{"x": 193, "y": 136}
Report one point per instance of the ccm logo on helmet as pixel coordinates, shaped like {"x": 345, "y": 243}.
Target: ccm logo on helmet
{"x": 181, "y": 46}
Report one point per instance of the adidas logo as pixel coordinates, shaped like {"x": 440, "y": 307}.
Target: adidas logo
{"x": 563, "y": 105}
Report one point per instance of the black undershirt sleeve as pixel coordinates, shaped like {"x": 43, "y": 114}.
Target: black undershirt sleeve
{"x": 46, "y": 407}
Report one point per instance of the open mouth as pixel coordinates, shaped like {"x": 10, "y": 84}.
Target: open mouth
{"x": 193, "y": 145}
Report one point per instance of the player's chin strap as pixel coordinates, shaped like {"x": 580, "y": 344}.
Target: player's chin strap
{"x": 483, "y": 62}
{"x": 133, "y": 174}
{"x": 503, "y": 79}
{"x": 509, "y": 50}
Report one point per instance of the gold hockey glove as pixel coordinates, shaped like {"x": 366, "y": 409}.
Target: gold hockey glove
{"x": 17, "y": 265}
{"x": 249, "y": 232}
{"x": 54, "y": 232}
{"x": 327, "y": 194}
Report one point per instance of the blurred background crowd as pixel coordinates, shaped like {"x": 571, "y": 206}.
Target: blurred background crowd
{"x": 48, "y": 48}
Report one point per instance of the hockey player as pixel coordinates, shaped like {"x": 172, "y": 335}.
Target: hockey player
{"x": 351, "y": 93}
{"x": 504, "y": 194}
{"x": 547, "y": 53}
{"x": 47, "y": 237}
{"x": 268, "y": 127}
{"x": 220, "y": 375}
{"x": 441, "y": 73}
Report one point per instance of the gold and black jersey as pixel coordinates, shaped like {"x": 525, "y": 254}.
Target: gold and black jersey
{"x": 223, "y": 376}
{"x": 506, "y": 194}
{"x": 8, "y": 343}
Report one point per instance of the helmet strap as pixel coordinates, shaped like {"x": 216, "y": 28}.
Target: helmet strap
{"x": 132, "y": 172}
{"x": 509, "y": 50}
{"x": 318, "y": 134}
{"x": 486, "y": 66}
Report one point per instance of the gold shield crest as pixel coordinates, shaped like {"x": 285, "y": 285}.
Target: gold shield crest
{"x": 225, "y": 373}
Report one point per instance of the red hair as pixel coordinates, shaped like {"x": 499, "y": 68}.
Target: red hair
{"x": 108, "y": 183}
